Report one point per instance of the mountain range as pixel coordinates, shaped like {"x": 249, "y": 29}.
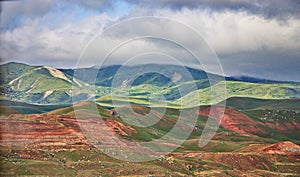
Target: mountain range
{"x": 46, "y": 85}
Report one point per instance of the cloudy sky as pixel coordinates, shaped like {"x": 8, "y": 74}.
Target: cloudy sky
{"x": 258, "y": 38}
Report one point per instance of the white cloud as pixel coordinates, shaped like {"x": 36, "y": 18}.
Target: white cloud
{"x": 33, "y": 41}
{"x": 26, "y": 8}
{"x": 232, "y": 32}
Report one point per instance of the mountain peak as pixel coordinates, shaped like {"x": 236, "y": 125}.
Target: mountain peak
{"x": 56, "y": 73}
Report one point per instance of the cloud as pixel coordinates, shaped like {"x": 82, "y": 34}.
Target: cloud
{"x": 269, "y": 9}
{"x": 279, "y": 65}
{"x": 178, "y": 4}
{"x": 15, "y": 12}
{"x": 246, "y": 43}
{"x": 98, "y": 5}
{"x": 12, "y": 10}
{"x": 233, "y": 32}
{"x": 34, "y": 43}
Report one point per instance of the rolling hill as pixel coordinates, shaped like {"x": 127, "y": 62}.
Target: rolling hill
{"x": 275, "y": 123}
{"x": 244, "y": 103}
{"x": 8, "y": 107}
{"x": 159, "y": 75}
{"x": 241, "y": 89}
{"x": 38, "y": 84}
{"x": 57, "y": 142}
{"x": 171, "y": 84}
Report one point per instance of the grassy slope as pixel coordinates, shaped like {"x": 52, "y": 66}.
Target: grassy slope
{"x": 243, "y": 103}
{"x": 170, "y": 118}
{"x": 37, "y": 84}
{"x": 12, "y": 70}
{"x": 241, "y": 89}
{"x": 30, "y": 84}
{"x": 139, "y": 94}
{"x": 39, "y": 80}
{"x": 88, "y": 162}
{"x": 25, "y": 108}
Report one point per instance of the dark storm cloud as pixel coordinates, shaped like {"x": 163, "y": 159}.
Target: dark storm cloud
{"x": 275, "y": 65}
{"x": 281, "y": 9}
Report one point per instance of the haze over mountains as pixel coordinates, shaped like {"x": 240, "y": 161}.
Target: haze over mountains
{"x": 46, "y": 85}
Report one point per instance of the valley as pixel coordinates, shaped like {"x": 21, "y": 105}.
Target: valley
{"x": 45, "y": 113}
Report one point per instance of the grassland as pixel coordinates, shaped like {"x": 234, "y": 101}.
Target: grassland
{"x": 45, "y": 85}
{"x": 9, "y": 107}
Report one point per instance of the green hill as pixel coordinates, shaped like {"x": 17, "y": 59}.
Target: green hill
{"x": 243, "y": 103}
{"x": 9, "y": 107}
{"x": 167, "y": 84}
{"x": 159, "y": 75}
{"x": 240, "y": 89}
{"x": 37, "y": 84}
{"x": 140, "y": 95}
{"x": 10, "y": 71}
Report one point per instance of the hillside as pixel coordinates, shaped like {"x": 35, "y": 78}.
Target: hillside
{"x": 38, "y": 84}
{"x": 170, "y": 84}
{"x": 241, "y": 89}
{"x": 273, "y": 123}
{"x": 56, "y": 140}
{"x": 8, "y": 107}
{"x": 159, "y": 75}
{"x": 244, "y": 103}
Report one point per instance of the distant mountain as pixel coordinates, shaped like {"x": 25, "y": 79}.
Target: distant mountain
{"x": 177, "y": 84}
{"x": 164, "y": 75}
{"x": 255, "y": 79}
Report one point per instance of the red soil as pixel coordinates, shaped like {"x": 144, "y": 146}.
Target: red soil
{"x": 41, "y": 131}
{"x": 255, "y": 156}
{"x": 286, "y": 147}
{"x": 241, "y": 123}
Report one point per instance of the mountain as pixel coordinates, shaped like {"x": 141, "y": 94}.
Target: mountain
{"x": 255, "y": 79}
{"x": 157, "y": 74}
{"x": 175, "y": 84}
{"x": 12, "y": 70}
{"x": 37, "y": 84}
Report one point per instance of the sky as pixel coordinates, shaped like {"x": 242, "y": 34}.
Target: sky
{"x": 258, "y": 38}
